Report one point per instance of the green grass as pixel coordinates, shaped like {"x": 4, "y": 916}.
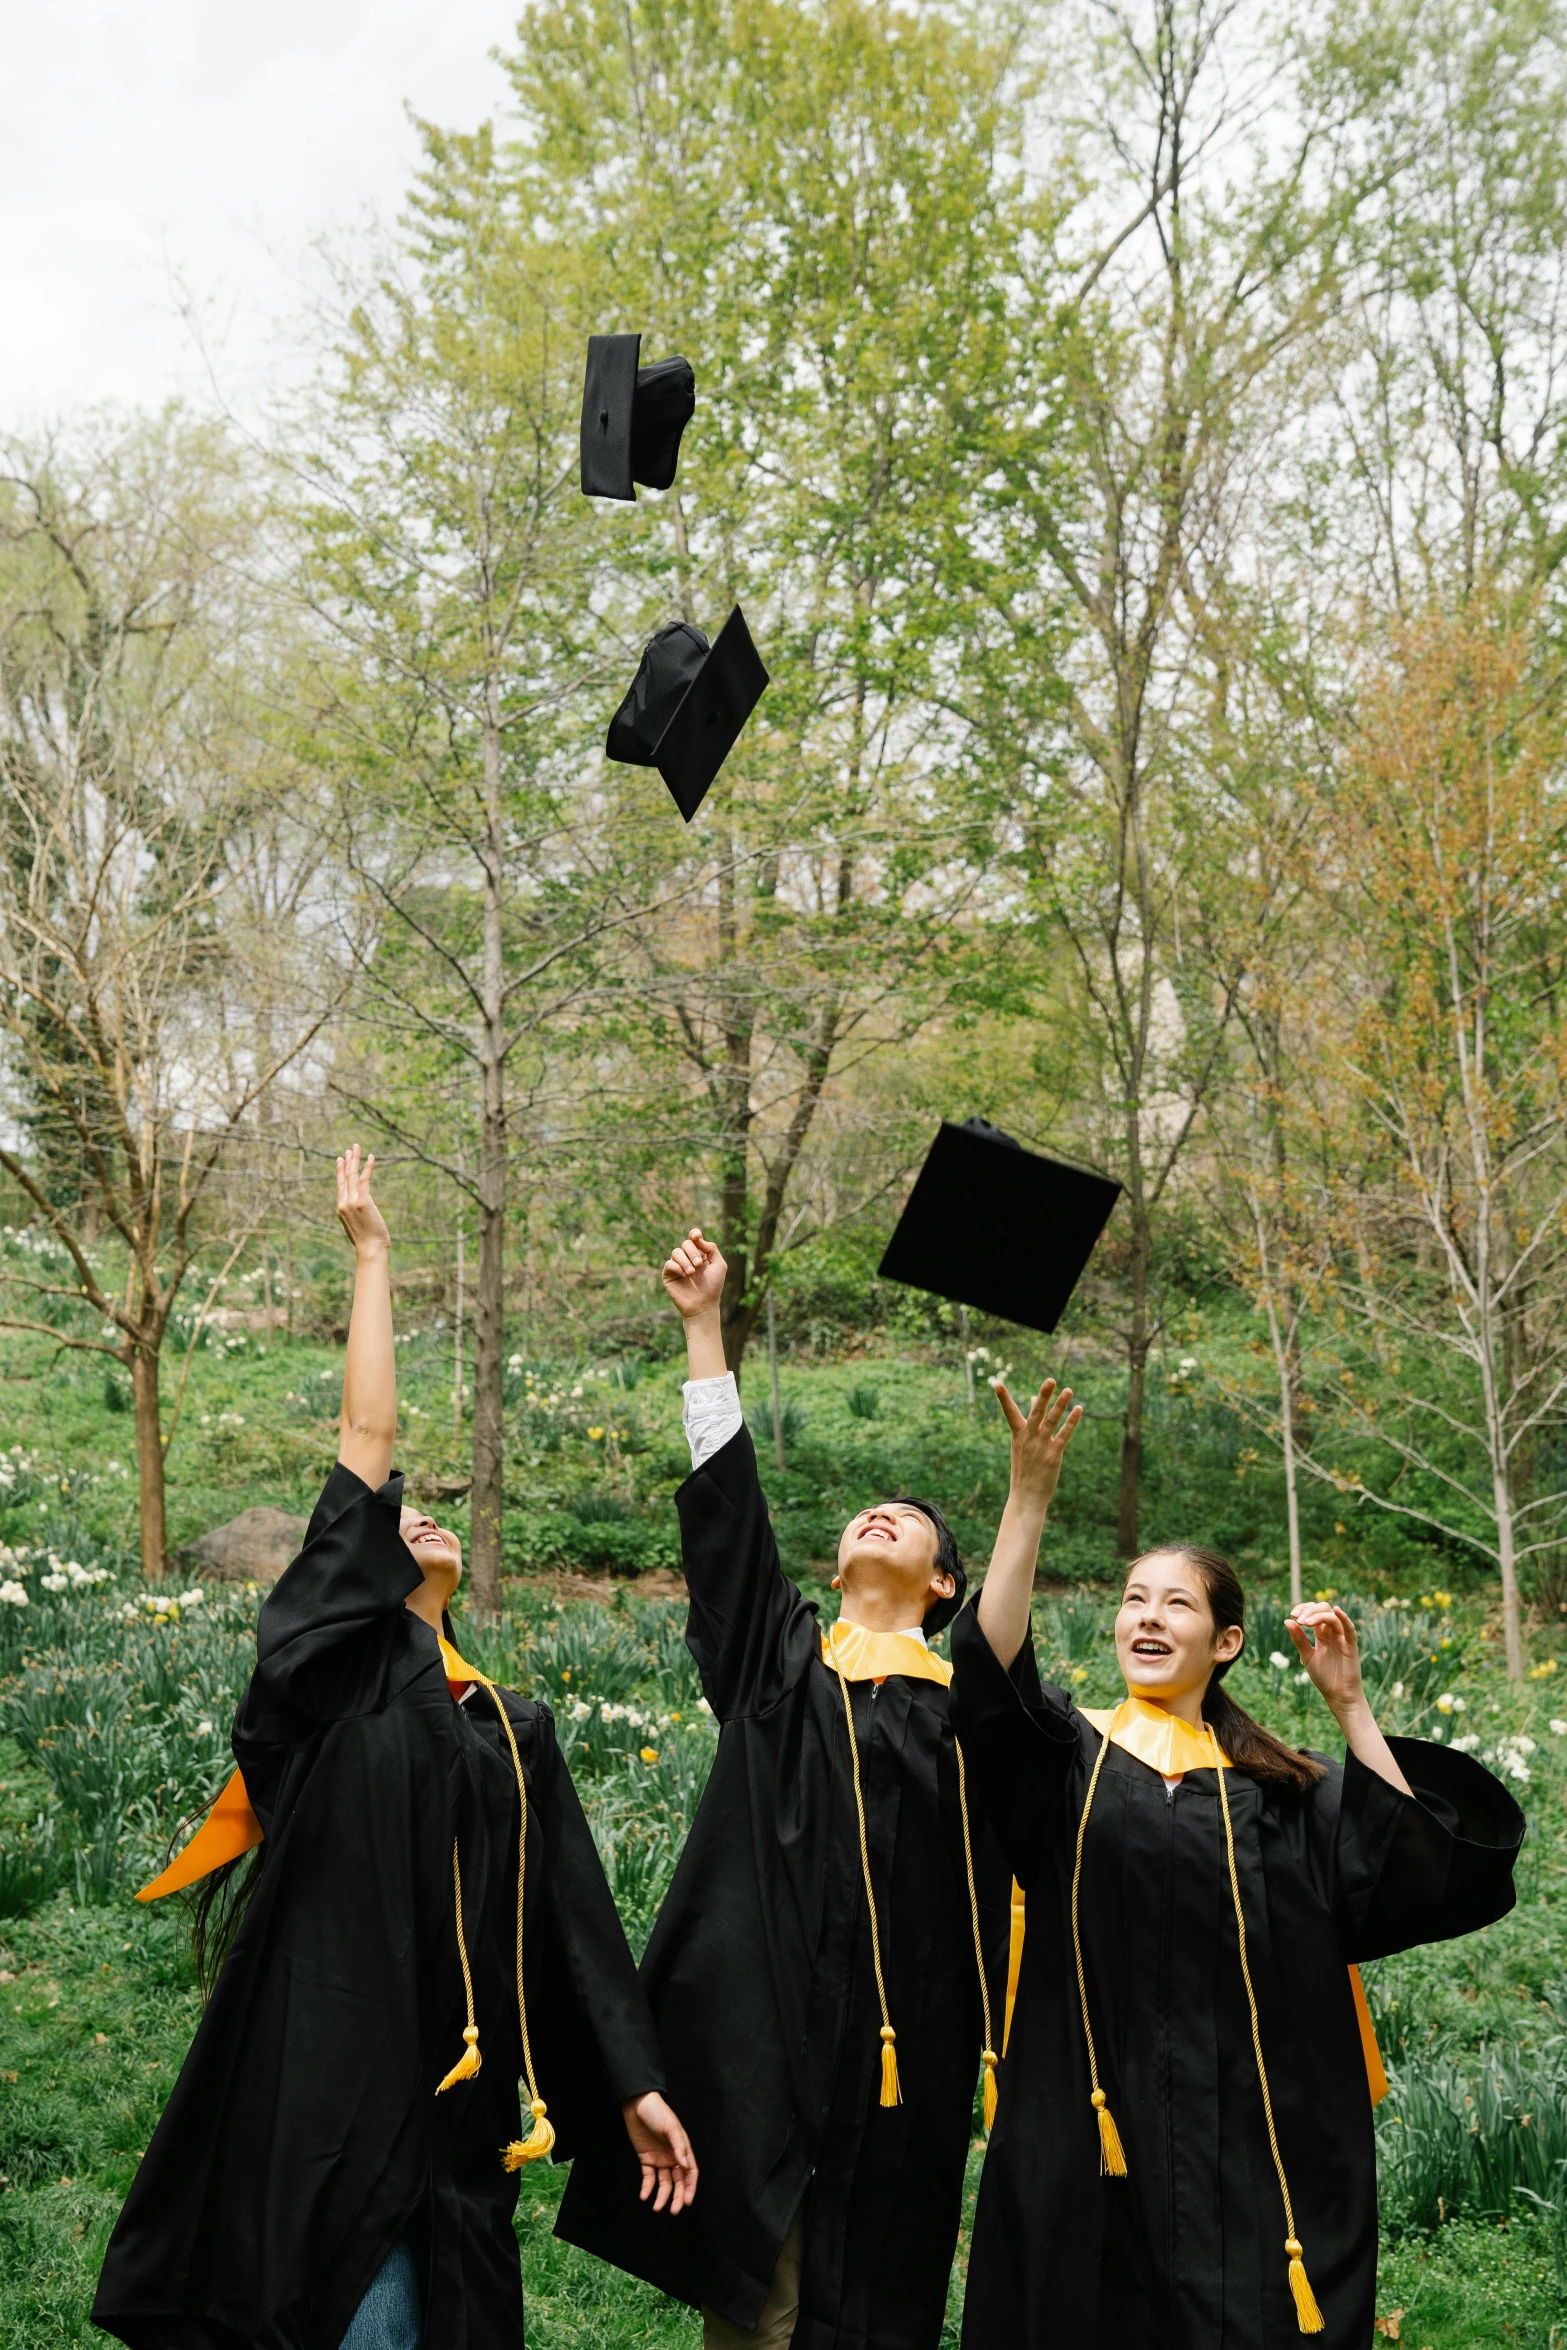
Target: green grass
{"x": 112, "y": 1729}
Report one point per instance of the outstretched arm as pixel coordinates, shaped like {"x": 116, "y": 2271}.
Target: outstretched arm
{"x": 694, "y": 1278}
{"x": 367, "y": 1429}
{"x": 1038, "y": 1443}
{"x": 1332, "y": 1658}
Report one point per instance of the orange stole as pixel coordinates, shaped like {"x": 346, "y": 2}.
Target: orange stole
{"x": 229, "y": 1829}
{"x": 232, "y": 1829}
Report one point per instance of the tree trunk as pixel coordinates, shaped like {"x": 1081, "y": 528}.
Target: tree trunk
{"x": 737, "y": 1315}
{"x": 489, "y": 1314}
{"x": 772, "y": 1367}
{"x": 1136, "y": 1379}
{"x": 149, "y": 1460}
{"x": 457, "y": 1377}
{"x": 1283, "y": 1343}
{"x": 1512, "y": 1622}
{"x": 1291, "y": 1492}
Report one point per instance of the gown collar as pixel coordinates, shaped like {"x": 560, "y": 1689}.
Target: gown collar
{"x": 460, "y": 1677}
{"x": 874, "y": 1656}
{"x": 1156, "y": 1737}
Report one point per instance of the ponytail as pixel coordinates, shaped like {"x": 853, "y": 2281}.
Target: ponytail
{"x": 1250, "y": 1747}
{"x": 217, "y": 1909}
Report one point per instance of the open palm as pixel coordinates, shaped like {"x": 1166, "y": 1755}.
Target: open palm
{"x": 1039, "y": 1440}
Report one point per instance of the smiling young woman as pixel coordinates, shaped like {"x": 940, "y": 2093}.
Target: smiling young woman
{"x": 1183, "y": 2153}
{"x": 427, "y": 1928}
{"x": 827, "y": 1961}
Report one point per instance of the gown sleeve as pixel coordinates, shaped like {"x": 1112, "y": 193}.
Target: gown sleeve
{"x": 1422, "y": 1867}
{"x": 333, "y": 1632}
{"x": 749, "y": 1629}
{"x": 606, "y": 2030}
{"x": 1018, "y": 1737}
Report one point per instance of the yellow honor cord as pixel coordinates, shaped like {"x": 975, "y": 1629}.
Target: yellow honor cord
{"x": 988, "y": 2055}
{"x": 541, "y": 2137}
{"x": 891, "y": 2092}
{"x": 470, "y": 2060}
{"x": 1112, "y": 2157}
{"x": 1307, "y": 2315}
{"x": 908, "y": 1657}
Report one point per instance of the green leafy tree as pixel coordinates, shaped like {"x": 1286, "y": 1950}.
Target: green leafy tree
{"x": 154, "y": 983}
{"x": 807, "y": 202}
{"x": 453, "y": 565}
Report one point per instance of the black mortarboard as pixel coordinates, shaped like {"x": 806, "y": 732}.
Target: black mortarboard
{"x": 632, "y": 418}
{"x": 994, "y": 1226}
{"x": 687, "y": 704}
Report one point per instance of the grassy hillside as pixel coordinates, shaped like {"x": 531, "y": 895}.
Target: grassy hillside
{"x": 114, "y": 1705}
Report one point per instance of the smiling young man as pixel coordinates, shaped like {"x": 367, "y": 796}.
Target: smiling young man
{"x": 814, "y": 1970}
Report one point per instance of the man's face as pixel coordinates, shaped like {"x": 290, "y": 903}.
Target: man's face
{"x": 893, "y": 1547}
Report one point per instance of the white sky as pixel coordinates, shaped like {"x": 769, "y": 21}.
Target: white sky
{"x": 147, "y": 141}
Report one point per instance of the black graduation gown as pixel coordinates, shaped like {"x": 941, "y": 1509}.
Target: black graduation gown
{"x": 759, "y": 1970}
{"x": 1187, "y": 2251}
{"x": 304, "y": 2135}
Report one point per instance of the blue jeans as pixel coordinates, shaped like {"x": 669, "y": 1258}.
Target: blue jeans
{"x": 389, "y": 2316}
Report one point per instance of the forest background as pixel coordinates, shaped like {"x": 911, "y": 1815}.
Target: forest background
{"x": 1136, "y": 437}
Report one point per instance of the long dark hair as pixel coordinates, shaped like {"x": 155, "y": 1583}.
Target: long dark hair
{"x": 1250, "y": 1747}
{"x": 216, "y": 1907}
{"x": 940, "y": 1612}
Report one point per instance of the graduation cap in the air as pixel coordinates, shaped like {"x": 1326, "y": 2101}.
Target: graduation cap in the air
{"x": 687, "y": 704}
{"x": 997, "y": 1227}
{"x": 632, "y": 418}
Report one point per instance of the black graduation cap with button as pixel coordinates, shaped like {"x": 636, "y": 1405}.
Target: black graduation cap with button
{"x": 632, "y": 418}
{"x": 687, "y": 704}
{"x": 997, "y": 1227}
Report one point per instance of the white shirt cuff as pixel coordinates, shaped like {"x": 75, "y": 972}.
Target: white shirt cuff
{"x": 711, "y": 1412}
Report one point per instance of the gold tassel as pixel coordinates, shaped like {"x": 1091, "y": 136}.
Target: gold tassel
{"x": 1112, "y": 2159}
{"x": 1308, "y": 2316}
{"x": 467, "y": 2064}
{"x": 538, "y": 2141}
{"x": 891, "y": 2094}
{"x": 987, "y": 2054}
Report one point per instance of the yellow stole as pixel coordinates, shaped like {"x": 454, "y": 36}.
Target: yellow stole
{"x": 876, "y": 1656}
{"x": 1171, "y": 1746}
{"x": 231, "y": 1827}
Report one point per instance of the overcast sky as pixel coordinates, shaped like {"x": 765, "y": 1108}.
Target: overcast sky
{"x": 149, "y": 140}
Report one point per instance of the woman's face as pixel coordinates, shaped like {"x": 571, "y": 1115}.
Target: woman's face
{"x": 436, "y": 1548}
{"x": 1165, "y": 1642}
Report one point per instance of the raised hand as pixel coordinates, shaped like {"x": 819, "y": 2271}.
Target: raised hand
{"x": 669, "y": 2172}
{"x": 357, "y": 1212}
{"x": 1039, "y": 1441}
{"x": 1333, "y": 1658}
{"x": 694, "y": 1276}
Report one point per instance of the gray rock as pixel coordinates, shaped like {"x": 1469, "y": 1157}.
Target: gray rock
{"x": 255, "y": 1547}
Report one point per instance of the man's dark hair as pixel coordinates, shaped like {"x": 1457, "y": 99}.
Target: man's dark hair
{"x": 940, "y": 1612}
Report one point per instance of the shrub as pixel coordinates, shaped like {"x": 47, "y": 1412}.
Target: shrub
{"x": 864, "y": 1402}
{"x": 761, "y": 1423}
{"x": 1074, "y": 1627}
{"x": 1477, "y": 2141}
